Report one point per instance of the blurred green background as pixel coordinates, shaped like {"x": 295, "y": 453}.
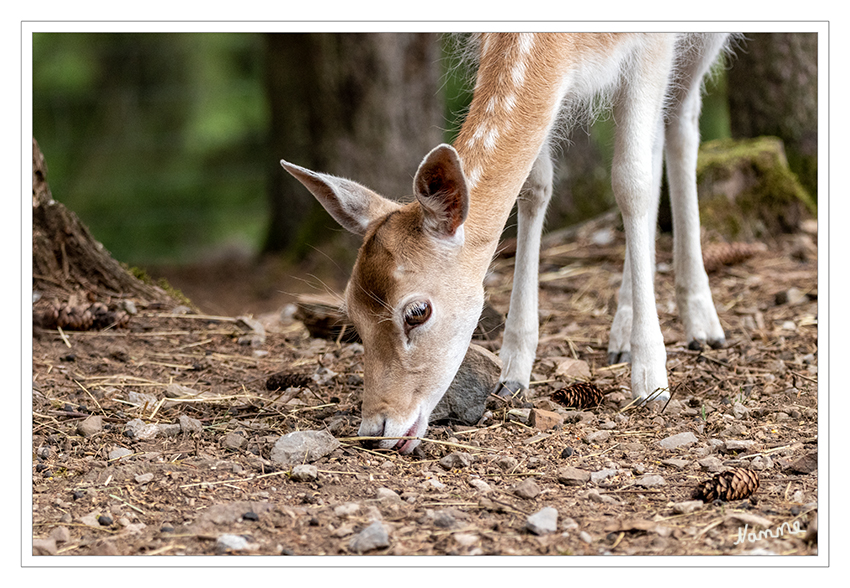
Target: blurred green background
{"x": 159, "y": 141}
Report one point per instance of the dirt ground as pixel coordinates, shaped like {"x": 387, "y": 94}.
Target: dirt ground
{"x": 752, "y": 404}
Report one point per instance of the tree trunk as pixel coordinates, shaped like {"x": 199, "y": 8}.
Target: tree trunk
{"x": 362, "y": 106}
{"x": 773, "y": 90}
{"x": 66, "y": 260}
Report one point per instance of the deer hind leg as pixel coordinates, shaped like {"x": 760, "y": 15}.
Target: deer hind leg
{"x": 519, "y": 343}
{"x": 693, "y": 296}
{"x": 638, "y": 113}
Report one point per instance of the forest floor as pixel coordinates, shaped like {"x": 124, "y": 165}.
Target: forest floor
{"x": 187, "y": 490}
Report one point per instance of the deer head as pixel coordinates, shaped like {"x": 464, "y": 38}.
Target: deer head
{"x": 409, "y": 296}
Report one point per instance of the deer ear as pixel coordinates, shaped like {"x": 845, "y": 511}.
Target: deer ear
{"x": 440, "y": 187}
{"x": 353, "y": 206}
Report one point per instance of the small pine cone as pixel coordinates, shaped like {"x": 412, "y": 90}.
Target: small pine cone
{"x": 716, "y": 255}
{"x": 579, "y": 395}
{"x": 47, "y": 318}
{"x": 733, "y": 484}
{"x": 283, "y": 381}
{"x": 75, "y": 317}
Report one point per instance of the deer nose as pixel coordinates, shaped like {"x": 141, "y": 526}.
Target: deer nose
{"x": 374, "y": 427}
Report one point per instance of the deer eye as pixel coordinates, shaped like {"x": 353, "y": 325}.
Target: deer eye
{"x": 416, "y": 313}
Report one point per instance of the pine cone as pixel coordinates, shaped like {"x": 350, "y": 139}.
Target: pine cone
{"x": 716, "y": 255}
{"x": 80, "y": 317}
{"x": 283, "y": 381}
{"x": 579, "y": 395}
{"x": 733, "y": 484}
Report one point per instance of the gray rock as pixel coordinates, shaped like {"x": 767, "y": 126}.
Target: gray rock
{"x": 527, "y": 489}
{"x": 679, "y": 464}
{"x": 229, "y": 542}
{"x": 688, "y": 506}
{"x": 480, "y": 485}
{"x": 571, "y": 476}
{"x": 597, "y": 437}
{"x": 455, "y": 460}
{"x": 305, "y": 473}
{"x": 595, "y": 496}
{"x": 739, "y": 411}
{"x": 349, "y": 509}
{"x": 543, "y": 521}
{"x": 387, "y": 495}
{"x": 585, "y": 536}
{"x": 466, "y": 398}
{"x": 302, "y": 446}
{"x": 188, "y": 425}
{"x": 119, "y": 452}
{"x": 506, "y": 463}
{"x": 680, "y": 440}
{"x": 711, "y": 463}
{"x": 44, "y": 546}
{"x": 375, "y": 536}
{"x": 60, "y": 534}
{"x": 141, "y": 399}
{"x": 650, "y": 480}
{"x": 734, "y": 445}
{"x": 165, "y": 430}
{"x": 597, "y": 477}
{"x": 234, "y": 440}
{"x": 761, "y": 463}
{"x": 90, "y": 426}
{"x": 141, "y": 430}
{"x": 144, "y": 478}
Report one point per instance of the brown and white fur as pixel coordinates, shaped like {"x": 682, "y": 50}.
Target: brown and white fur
{"x": 416, "y": 293}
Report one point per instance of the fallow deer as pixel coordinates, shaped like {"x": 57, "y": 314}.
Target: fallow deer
{"x": 416, "y": 293}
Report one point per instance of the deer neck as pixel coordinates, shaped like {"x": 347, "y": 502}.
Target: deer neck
{"x": 512, "y": 112}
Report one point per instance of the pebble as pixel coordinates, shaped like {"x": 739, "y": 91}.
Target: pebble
{"x": 761, "y": 463}
{"x": 91, "y": 426}
{"x": 571, "y": 476}
{"x": 300, "y": 446}
{"x": 543, "y": 521}
{"x": 456, "y": 460}
{"x": 585, "y": 536}
{"x": 188, "y": 425}
{"x": 144, "y": 478}
{"x": 679, "y": 440}
{"x": 711, "y": 463}
{"x": 44, "y": 546}
{"x": 375, "y": 536}
{"x": 543, "y": 420}
{"x": 119, "y": 452}
{"x": 347, "y": 510}
{"x": 480, "y": 485}
{"x": 676, "y": 463}
{"x": 650, "y": 480}
{"x": 738, "y": 445}
{"x": 688, "y": 506}
{"x": 138, "y": 429}
{"x": 527, "y": 489}
{"x": 385, "y": 494}
{"x": 597, "y": 437}
{"x": 466, "y": 539}
{"x": 739, "y": 411}
{"x": 597, "y": 477}
{"x": 229, "y": 542}
{"x": 595, "y": 496}
{"x": 305, "y": 473}
{"x": 506, "y": 463}
{"x": 60, "y": 534}
{"x": 234, "y": 440}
